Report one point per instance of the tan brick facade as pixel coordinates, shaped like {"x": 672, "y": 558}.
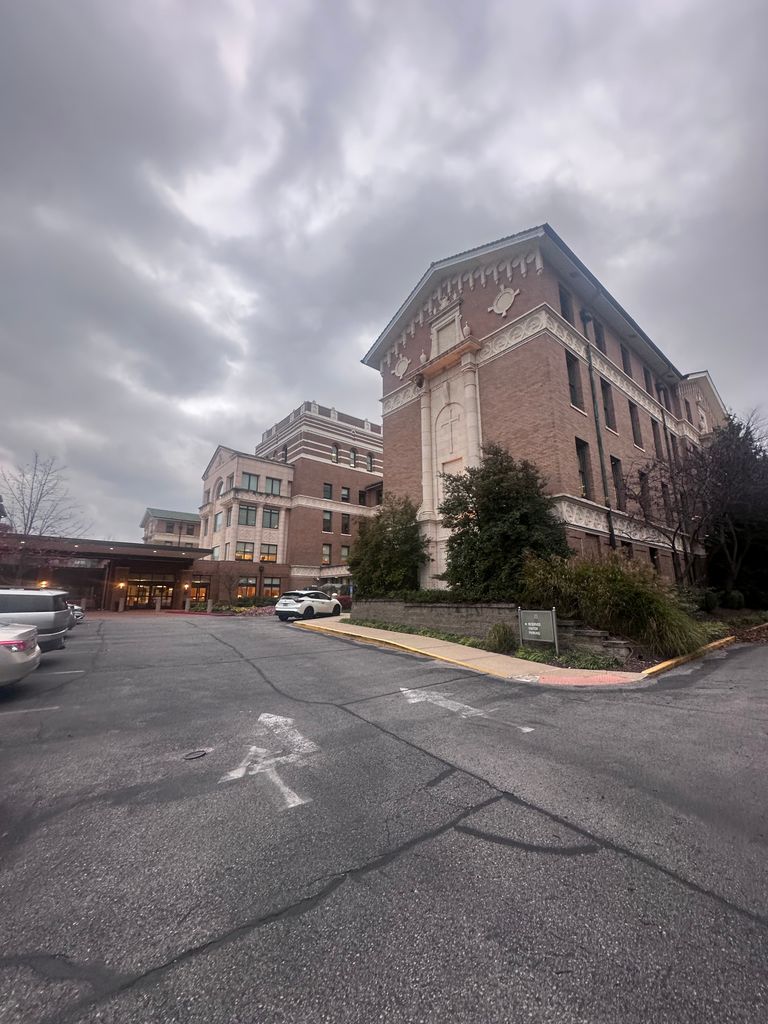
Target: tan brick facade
{"x": 504, "y": 344}
{"x": 269, "y": 516}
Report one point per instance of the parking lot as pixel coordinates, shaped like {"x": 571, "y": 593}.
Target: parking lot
{"x": 232, "y": 820}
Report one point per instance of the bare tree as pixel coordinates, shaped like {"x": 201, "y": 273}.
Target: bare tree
{"x": 37, "y": 500}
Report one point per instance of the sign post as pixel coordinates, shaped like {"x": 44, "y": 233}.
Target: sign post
{"x": 538, "y": 627}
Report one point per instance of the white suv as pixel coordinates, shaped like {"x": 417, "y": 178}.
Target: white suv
{"x": 305, "y": 604}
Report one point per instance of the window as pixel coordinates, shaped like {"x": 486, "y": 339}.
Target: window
{"x": 370, "y": 462}
{"x": 361, "y": 498}
{"x": 665, "y": 497}
{"x": 284, "y": 453}
{"x": 645, "y": 493}
{"x": 582, "y": 456}
{"x": 574, "y": 380}
{"x": 566, "y": 305}
{"x": 328, "y": 491}
{"x": 618, "y": 484}
{"x": 270, "y": 518}
{"x": 206, "y": 497}
{"x": 170, "y": 527}
{"x": 190, "y": 529}
{"x": 626, "y": 361}
{"x": 229, "y": 516}
{"x": 250, "y": 481}
{"x": 244, "y": 551}
{"x": 353, "y": 457}
{"x": 599, "y": 335}
{"x": 327, "y": 522}
{"x": 634, "y": 415}
{"x": 648, "y": 380}
{"x": 344, "y": 494}
{"x": 270, "y": 587}
{"x": 608, "y": 410}
{"x": 247, "y": 515}
{"x": 688, "y": 413}
{"x": 657, "y": 439}
{"x": 653, "y": 554}
{"x": 268, "y": 553}
{"x": 168, "y": 543}
{"x": 217, "y": 522}
{"x": 215, "y": 553}
{"x": 345, "y": 522}
{"x": 272, "y": 485}
{"x": 326, "y": 559}
{"x": 345, "y": 553}
{"x": 662, "y": 393}
{"x": 219, "y": 489}
{"x": 204, "y": 527}
{"x": 230, "y": 481}
{"x": 626, "y": 550}
{"x": 334, "y": 453}
{"x": 246, "y": 586}
{"x": 226, "y": 552}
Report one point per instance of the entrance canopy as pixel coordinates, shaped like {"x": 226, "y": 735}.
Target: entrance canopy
{"x": 102, "y": 574}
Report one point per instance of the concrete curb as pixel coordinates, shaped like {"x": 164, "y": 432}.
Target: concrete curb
{"x": 582, "y": 684}
{"x": 664, "y": 666}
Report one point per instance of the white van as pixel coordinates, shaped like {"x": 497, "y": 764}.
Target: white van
{"x": 45, "y": 609}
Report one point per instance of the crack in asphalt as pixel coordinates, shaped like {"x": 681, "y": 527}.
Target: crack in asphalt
{"x": 518, "y": 844}
{"x": 440, "y": 778}
{"x": 107, "y": 984}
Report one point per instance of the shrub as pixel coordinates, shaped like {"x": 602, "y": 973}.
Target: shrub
{"x": 501, "y": 638}
{"x": 616, "y": 595}
{"x": 734, "y": 600}
{"x": 711, "y": 600}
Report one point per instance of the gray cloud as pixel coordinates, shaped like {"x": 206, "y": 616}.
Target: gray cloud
{"x": 207, "y": 212}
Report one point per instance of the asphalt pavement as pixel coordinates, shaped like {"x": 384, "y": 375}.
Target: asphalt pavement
{"x": 229, "y": 821}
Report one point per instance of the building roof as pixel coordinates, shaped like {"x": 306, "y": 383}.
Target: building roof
{"x": 542, "y": 233}
{"x": 162, "y": 513}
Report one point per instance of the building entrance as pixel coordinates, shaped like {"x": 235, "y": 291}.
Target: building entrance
{"x": 143, "y": 593}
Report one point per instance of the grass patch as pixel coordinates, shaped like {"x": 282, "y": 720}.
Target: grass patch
{"x": 453, "y": 638}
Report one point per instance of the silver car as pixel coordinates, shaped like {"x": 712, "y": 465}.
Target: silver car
{"x": 19, "y": 653}
{"x": 305, "y": 604}
{"x": 45, "y": 609}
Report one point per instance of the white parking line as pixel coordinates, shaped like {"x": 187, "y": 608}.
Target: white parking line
{"x": 69, "y": 672}
{"x": 29, "y": 711}
{"x": 443, "y": 701}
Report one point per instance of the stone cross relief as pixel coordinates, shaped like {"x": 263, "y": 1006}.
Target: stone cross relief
{"x": 454, "y": 418}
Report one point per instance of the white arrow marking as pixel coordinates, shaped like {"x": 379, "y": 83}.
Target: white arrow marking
{"x": 419, "y": 696}
{"x": 259, "y": 760}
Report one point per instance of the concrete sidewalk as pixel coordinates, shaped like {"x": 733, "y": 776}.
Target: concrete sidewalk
{"x": 500, "y": 665}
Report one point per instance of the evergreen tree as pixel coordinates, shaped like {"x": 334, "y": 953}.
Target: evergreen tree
{"x": 497, "y": 512}
{"x": 388, "y": 550}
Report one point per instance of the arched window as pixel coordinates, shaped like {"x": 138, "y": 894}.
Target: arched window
{"x": 219, "y": 488}
{"x": 334, "y": 453}
{"x": 285, "y": 453}
{"x": 353, "y": 456}
{"x": 370, "y": 462}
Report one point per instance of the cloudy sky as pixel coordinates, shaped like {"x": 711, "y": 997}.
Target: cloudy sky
{"x": 208, "y": 210}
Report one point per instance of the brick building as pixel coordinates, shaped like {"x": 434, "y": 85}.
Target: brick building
{"x": 284, "y": 516}
{"x": 505, "y": 343}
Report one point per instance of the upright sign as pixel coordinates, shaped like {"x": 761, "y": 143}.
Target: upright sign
{"x": 538, "y": 627}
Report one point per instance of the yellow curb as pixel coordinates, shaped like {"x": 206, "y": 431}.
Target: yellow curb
{"x": 662, "y": 666}
{"x": 378, "y": 641}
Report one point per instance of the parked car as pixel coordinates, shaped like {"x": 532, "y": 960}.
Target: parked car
{"x": 19, "y": 652}
{"x": 76, "y": 613}
{"x": 305, "y": 604}
{"x": 45, "y": 609}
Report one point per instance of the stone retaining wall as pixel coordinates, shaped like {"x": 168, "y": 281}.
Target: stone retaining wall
{"x": 476, "y": 619}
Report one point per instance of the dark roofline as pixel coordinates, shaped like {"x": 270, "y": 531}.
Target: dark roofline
{"x": 86, "y": 544}
{"x": 541, "y": 230}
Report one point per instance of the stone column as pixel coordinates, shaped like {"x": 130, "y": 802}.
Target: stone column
{"x": 471, "y": 408}
{"x": 427, "y": 476}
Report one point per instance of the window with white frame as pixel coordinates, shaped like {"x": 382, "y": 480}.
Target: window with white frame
{"x": 334, "y": 453}
{"x": 326, "y": 556}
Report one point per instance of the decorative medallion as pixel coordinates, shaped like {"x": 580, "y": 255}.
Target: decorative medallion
{"x": 504, "y": 301}
{"x": 401, "y": 367}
